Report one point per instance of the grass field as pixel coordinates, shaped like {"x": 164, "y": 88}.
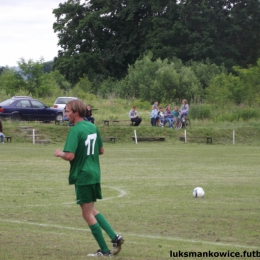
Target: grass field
{"x": 147, "y": 190}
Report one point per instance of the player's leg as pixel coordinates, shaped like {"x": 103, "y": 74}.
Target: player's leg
{"x": 86, "y": 195}
{"x": 116, "y": 239}
{"x": 88, "y": 215}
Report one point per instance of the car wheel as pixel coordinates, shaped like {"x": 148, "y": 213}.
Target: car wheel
{"x": 16, "y": 117}
{"x": 59, "y": 117}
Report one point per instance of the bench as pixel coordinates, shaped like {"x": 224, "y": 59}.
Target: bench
{"x": 151, "y": 138}
{"x": 123, "y": 121}
{"x": 209, "y": 140}
{"x": 58, "y": 122}
{"x": 106, "y": 122}
{"x": 62, "y": 123}
{"x": 116, "y": 122}
{"x": 8, "y": 139}
{"x": 111, "y": 138}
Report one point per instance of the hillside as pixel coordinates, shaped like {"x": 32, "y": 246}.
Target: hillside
{"x": 245, "y": 133}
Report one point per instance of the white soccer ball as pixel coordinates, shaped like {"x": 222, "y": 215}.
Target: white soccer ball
{"x": 198, "y": 192}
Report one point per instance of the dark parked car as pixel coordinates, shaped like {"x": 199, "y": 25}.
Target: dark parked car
{"x": 21, "y": 108}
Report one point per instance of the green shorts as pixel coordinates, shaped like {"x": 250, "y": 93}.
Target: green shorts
{"x": 88, "y": 193}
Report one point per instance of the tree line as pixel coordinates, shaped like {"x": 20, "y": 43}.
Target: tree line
{"x": 164, "y": 80}
{"x": 205, "y": 51}
{"x": 102, "y": 38}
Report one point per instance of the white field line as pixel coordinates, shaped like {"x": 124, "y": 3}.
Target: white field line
{"x": 122, "y": 193}
{"x": 131, "y": 234}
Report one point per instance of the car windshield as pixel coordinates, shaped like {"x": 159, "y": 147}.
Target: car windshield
{"x": 7, "y": 102}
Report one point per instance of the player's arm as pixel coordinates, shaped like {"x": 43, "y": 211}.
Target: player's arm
{"x": 67, "y": 156}
{"x": 101, "y": 150}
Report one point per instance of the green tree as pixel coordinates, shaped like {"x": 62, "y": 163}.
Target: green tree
{"x": 38, "y": 81}
{"x": 160, "y": 80}
{"x": 11, "y": 81}
{"x": 2, "y": 70}
{"x": 47, "y": 66}
{"x": 249, "y": 90}
{"x": 245, "y": 37}
{"x": 205, "y": 71}
{"x": 166, "y": 84}
{"x": 218, "y": 91}
{"x": 78, "y": 27}
{"x": 61, "y": 81}
{"x": 48, "y": 85}
{"x": 240, "y": 87}
{"x": 223, "y": 31}
{"x": 190, "y": 86}
{"x": 102, "y": 38}
{"x": 108, "y": 87}
{"x": 141, "y": 77}
{"x": 99, "y": 37}
{"x": 83, "y": 87}
{"x": 31, "y": 71}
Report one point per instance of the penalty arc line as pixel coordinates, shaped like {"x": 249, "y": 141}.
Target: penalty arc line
{"x": 122, "y": 193}
{"x": 130, "y": 234}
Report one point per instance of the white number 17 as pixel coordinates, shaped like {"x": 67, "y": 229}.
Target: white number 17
{"x": 92, "y": 137}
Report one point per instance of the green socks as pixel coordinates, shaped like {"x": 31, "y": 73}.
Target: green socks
{"x": 97, "y": 233}
{"x": 105, "y": 226}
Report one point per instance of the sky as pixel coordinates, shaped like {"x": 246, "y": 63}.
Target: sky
{"x": 26, "y": 30}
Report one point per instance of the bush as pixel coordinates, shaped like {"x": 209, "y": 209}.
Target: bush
{"x": 248, "y": 113}
{"x": 229, "y": 117}
{"x": 200, "y": 111}
{"x": 236, "y": 113}
{"x": 142, "y": 104}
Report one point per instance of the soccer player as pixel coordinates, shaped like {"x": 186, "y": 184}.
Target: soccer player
{"x": 82, "y": 149}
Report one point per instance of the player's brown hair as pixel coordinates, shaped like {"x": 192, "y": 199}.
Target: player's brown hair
{"x": 77, "y": 106}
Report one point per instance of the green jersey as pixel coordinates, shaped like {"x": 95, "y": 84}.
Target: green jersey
{"x": 84, "y": 141}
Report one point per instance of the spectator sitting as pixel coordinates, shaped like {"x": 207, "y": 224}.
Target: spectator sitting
{"x": 184, "y": 109}
{"x": 154, "y": 116}
{"x": 1, "y": 133}
{"x": 156, "y": 104}
{"x": 161, "y": 117}
{"x": 89, "y": 116}
{"x": 168, "y": 116}
{"x": 133, "y": 115}
{"x": 175, "y": 114}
